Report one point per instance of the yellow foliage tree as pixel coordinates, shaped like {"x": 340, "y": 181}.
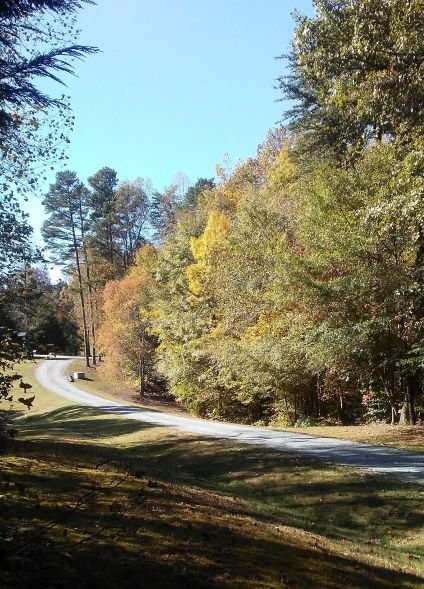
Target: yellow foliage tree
{"x": 203, "y": 249}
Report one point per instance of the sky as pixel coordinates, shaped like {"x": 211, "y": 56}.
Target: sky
{"x": 179, "y": 85}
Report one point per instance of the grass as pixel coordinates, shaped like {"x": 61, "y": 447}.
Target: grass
{"x": 44, "y": 399}
{"x": 395, "y": 436}
{"x": 90, "y": 499}
{"x": 96, "y": 383}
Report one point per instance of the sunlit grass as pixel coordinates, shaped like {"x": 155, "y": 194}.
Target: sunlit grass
{"x": 97, "y": 384}
{"x": 395, "y": 436}
{"x": 44, "y": 399}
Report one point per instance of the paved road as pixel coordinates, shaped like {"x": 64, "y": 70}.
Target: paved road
{"x": 407, "y": 466}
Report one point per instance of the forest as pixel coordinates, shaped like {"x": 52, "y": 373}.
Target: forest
{"x": 287, "y": 290}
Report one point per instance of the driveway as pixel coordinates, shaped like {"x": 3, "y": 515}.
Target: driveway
{"x": 407, "y": 466}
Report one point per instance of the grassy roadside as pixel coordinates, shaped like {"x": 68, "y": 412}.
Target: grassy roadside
{"x": 402, "y": 437}
{"x": 90, "y": 499}
{"x": 97, "y": 384}
{"x": 44, "y": 399}
{"x": 395, "y": 436}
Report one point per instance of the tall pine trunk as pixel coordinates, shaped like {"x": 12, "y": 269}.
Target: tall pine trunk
{"x": 408, "y": 409}
{"x": 90, "y": 289}
{"x": 81, "y": 293}
{"x": 91, "y": 308}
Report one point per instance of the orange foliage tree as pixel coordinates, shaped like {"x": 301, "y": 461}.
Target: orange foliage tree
{"x": 124, "y": 335}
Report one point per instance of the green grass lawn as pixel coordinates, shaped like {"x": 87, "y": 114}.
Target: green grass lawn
{"x": 92, "y": 500}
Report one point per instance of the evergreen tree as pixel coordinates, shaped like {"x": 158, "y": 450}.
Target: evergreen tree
{"x": 37, "y": 41}
{"x": 63, "y": 231}
{"x": 132, "y": 214}
{"x": 192, "y": 195}
{"x": 103, "y": 208}
{"x": 163, "y": 211}
{"x": 35, "y": 44}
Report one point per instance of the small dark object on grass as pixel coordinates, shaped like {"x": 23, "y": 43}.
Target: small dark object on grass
{"x": 71, "y": 378}
{"x": 27, "y": 402}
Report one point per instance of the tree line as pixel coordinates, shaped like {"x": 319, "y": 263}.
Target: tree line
{"x": 288, "y": 289}
{"x": 292, "y": 290}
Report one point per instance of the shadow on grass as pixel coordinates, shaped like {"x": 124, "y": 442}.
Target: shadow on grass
{"x": 187, "y": 552}
{"x": 78, "y": 421}
{"x": 207, "y": 519}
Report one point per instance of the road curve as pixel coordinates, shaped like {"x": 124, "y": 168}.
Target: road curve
{"x": 407, "y": 466}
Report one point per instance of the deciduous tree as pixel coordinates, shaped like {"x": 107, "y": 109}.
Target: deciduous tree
{"x": 125, "y": 336}
{"x": 356, "y": 74}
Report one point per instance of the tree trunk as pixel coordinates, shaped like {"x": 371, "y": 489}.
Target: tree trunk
{"x": 412, "y": 385}
{"x": 408, "y": 408}
{"x": 340, "y": 409}
{"x": 110, "y": 239}
{"x": 394, "y": 413}
{"x": 142, "y": 366}
{"x": 90, "y": 306}
{"x": 81, "y": 293}
{"x": 90, "y": 290}
{"x": 318, "y": 394}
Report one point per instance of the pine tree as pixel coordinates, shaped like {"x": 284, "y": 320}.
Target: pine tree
{"x": 63, "y": 231}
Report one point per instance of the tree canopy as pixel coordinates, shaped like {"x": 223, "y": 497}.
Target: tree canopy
{"x": 288, "y": 289}
{"x": 356, "y": 73}
{"x": 38, "y": 40}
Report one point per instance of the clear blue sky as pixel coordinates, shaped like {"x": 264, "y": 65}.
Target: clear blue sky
{"x": 178, "y": 84}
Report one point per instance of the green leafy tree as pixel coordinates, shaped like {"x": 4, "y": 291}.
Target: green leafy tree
{"x": 132, "y": 215}
{"x": 37, "y": 41}
{"x": 192, "y": 195}
{"x": 292, "y": 296}
{"x": 41, "y": 310}
{"x": 175, "y": 321}
{"x": 356, "y": 74}
{"x": 163, "y": 211}
{"x": 355, "y": 280}
{"x": 219, "y": 349}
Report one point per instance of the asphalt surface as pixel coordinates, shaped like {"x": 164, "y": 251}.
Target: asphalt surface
{"x": 407, "y": 466}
